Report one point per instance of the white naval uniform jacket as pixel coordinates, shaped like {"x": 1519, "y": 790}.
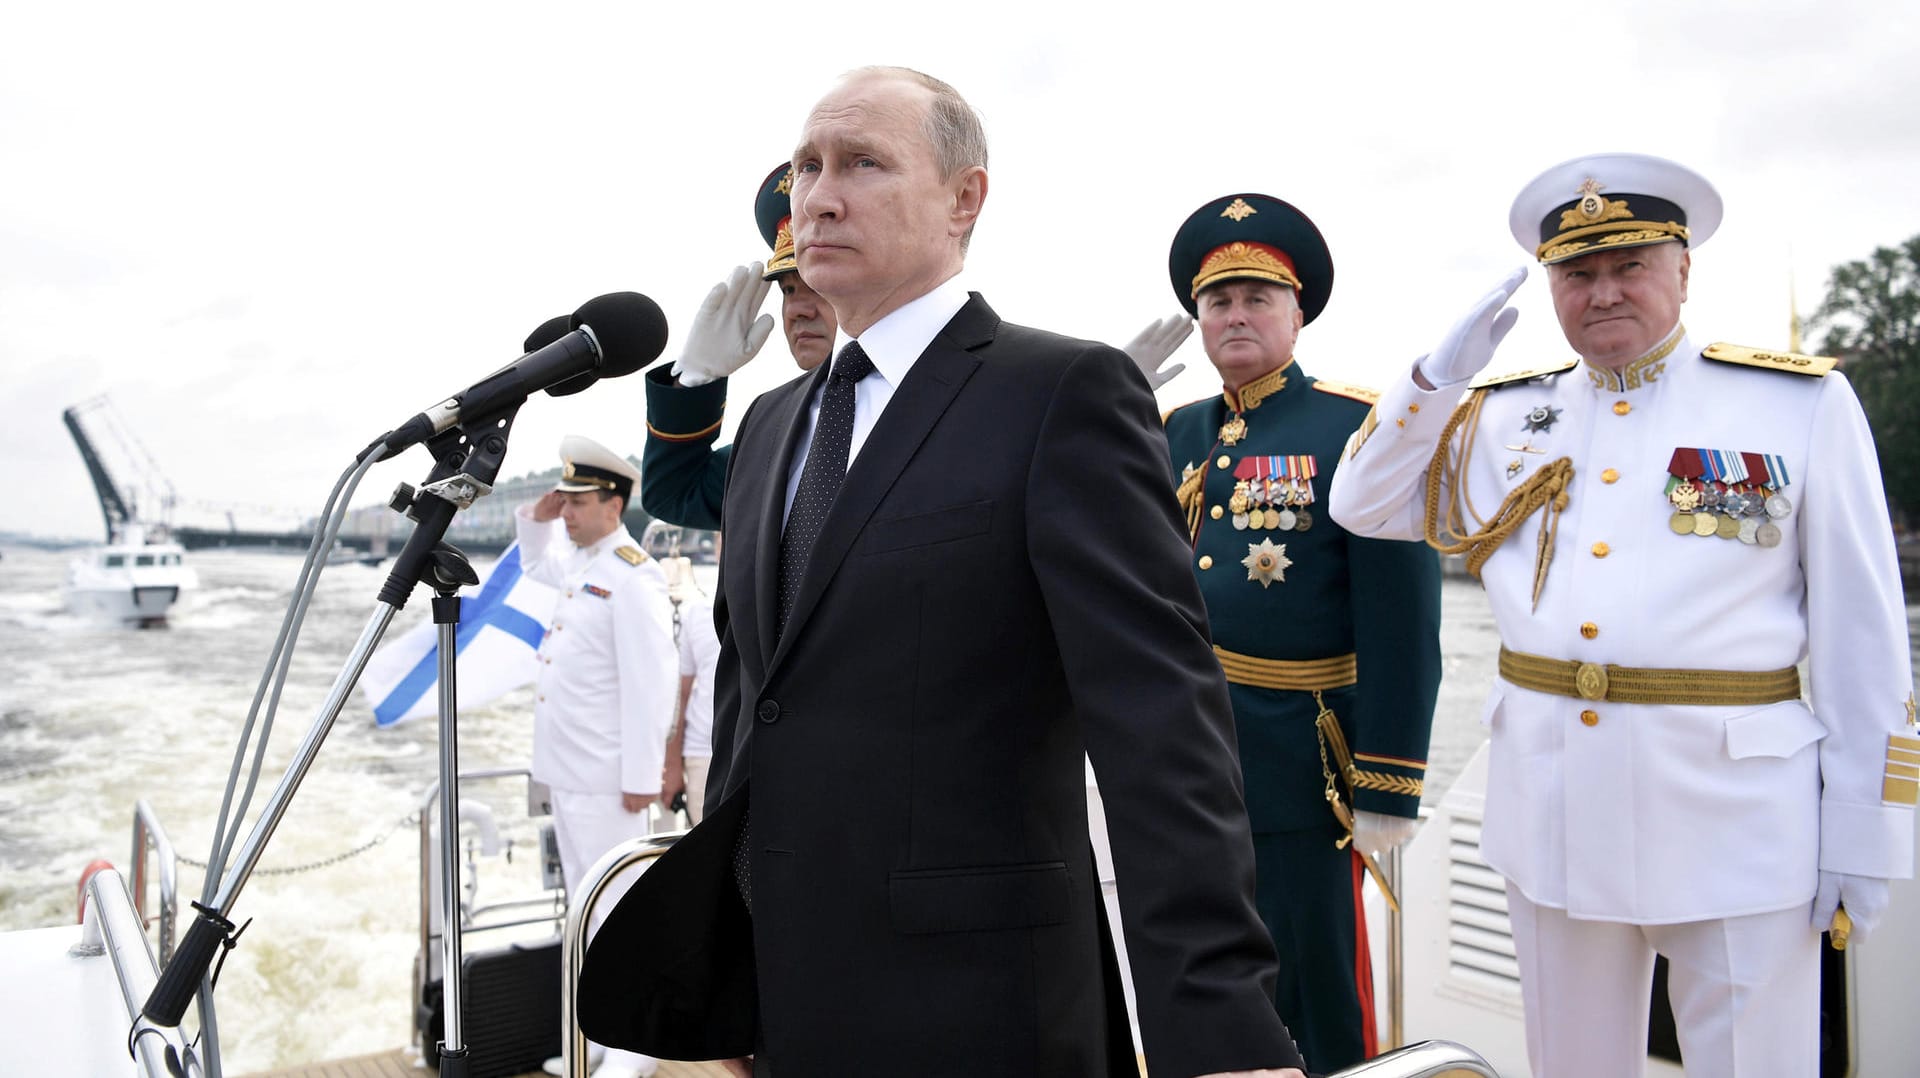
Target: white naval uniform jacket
{"x": 1656, "y": 814}
{"x": 609, "y": 669}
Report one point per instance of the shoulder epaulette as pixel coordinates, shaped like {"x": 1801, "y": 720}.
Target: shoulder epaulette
{"x": 1815, "y": 366}
{"x": 1168, "y": 414}
{"x": 1348, "y": 390}
{"x": 1491, "y": 381}
{"x": 632, "y": 555}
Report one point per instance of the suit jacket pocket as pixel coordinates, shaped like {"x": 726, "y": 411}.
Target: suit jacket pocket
{"x": 924, "y": 529}
{"x": 979, "y": 899}
{"x": 1775, "y": 730}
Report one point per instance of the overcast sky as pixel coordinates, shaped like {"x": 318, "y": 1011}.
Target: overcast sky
{"x": 270, "y": 233}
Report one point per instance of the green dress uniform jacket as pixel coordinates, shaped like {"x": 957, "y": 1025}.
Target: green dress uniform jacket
{"x": 1309, "y": 607}
{"x": 1340, "y": 595}
{"x": 683, "y": 478}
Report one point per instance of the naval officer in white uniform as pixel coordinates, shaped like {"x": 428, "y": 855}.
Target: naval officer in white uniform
{"x": 1665, "y": 528}
{"x": 609, "y": 671}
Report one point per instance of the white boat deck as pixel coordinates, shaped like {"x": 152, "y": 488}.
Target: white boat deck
{"x": 71, "y": 1004}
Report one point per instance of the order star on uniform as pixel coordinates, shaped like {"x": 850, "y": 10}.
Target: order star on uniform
{"x": 1329, "y": 641}
{"x": 1665, "y": 529}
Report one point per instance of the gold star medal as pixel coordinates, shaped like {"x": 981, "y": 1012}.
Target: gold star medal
{"x": 1267, "y": 562}
{"x": 1233, "y": 430}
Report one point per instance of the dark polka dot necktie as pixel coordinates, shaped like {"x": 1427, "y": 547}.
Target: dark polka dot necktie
{"x": 820, "y": 482}
{"x": 820, "y": 479}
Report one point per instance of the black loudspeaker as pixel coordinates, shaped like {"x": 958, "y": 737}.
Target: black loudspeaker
{"x": 512, "y": 1017}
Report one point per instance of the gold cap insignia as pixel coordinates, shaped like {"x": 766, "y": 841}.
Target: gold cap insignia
{"x": 785, "y": 186}
{"x": 1238, "y": 210}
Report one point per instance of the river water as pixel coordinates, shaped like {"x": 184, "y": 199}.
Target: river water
{"x": 93, "y": 719}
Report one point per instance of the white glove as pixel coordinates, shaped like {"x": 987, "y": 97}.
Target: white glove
{"x": 1377, "y": 832}
{"x": 725, "y": 334}
{"x": 1155, "y": 343}
{"x": 1468, "y": 346}
{"x": 1865, "y": 898}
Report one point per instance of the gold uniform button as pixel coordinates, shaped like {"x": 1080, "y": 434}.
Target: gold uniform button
{"x": 1590, "y": 718}
{"x": 1609, "y": 476}
{"x": 1401, "y": 422}
{"x": 1413, "y": 407}
{"x": 1589, "y": 630}
{"x": 1223, "y": 461}
{"x": 1206, "y": 561}
{"x": 1621, "y": 407}
{"x": 1601, "y": 550}
{"x": 1218, "y": 512}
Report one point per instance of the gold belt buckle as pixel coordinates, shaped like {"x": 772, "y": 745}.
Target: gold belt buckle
{"x": 1590, "y": 681}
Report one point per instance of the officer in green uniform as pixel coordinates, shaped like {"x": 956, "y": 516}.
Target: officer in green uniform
{"x": 1330, "y": 642}
{"x": 683, "y": 477}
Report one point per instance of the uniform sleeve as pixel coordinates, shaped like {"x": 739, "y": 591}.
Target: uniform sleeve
{"x": 683, "y": 478}
{"x": 1380, "y": 487}
{"x": 1861, "y": 665}
{"x": 1132, "y": 634}
{"x": 1395, "y": 590}
{"x": 540, "y": 543}
{"x": 649, "y": 676}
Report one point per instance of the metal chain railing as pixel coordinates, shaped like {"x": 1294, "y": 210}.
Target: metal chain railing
{"x": 325, "y": 862}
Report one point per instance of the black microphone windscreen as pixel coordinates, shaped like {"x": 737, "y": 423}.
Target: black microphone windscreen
{"x": 631, "y": 329}
{"x": 545, "y": 334}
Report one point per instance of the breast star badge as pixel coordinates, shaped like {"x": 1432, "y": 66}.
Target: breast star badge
{"x": 1267, "y": 562}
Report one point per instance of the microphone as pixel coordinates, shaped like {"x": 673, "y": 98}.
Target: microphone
{"x": 545, "y": 334}
{"x": 609, "y": 336}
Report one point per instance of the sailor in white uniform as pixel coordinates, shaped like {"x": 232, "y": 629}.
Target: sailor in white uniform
{"x": 1666, "y": 528}
{"x": 609, "y": 671}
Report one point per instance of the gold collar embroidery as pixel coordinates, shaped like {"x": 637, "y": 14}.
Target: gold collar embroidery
{"x": 1251, "y": 394}
{"x": 1643, "y": 371}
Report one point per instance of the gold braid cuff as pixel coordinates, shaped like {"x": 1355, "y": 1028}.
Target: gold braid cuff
{"x": 1392, "y": 784}
{"x": 1649, "y": 685}
{"x": 1545, "y": 488}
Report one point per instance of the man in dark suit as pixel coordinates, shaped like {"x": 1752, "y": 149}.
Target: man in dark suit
{"x": 925, "y": 643}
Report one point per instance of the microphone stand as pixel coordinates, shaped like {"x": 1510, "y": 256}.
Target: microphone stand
{"x": 465, "y": 467}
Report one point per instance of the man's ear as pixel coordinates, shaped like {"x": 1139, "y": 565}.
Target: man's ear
{"x": 969, "y": 195}
{"x": 1686, "y": 264}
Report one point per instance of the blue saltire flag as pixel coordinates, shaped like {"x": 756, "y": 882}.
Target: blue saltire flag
{"x": 499, "y": 632}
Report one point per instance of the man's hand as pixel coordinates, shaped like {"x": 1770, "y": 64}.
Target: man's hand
{"x": 673, "y": 779}
{"x": 1865, "y": 898}
{"x": 1468, "y": 346}
{"x": 548, "y": 507}
{"x": 1155, "y": 343}
{"x": 725, "y": 333}
{"x": 739, "y": 1068}
{"x": 1377, "y": 832}
{"x": 636, "y": 802}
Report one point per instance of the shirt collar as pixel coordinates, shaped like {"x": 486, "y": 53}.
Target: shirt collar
{"x": 894, "y": 342}
{"x": 1641, "y": 372}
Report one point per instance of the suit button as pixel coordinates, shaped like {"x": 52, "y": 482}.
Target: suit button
{"x": 1218, "y": 512}
{"x": 768, "y": 711}
{"x": 1590, "y": 718}
{"x": 1206, "y": 561}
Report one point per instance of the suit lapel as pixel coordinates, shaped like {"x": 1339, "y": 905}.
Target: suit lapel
{"x": 788, "y": 419}
{"x": 930, "y": 386}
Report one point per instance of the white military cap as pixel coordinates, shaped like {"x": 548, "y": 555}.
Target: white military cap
{"x": 1611, "y": 200}
{"x": 592, "y": 466}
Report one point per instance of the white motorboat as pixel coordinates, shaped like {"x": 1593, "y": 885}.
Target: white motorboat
{"x": 132, "y": 581}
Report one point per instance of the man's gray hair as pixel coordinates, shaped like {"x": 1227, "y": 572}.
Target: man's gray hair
{"x": 959, "y": 139}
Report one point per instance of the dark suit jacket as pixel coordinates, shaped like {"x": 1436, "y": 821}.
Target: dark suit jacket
{"x": 1001, "y": 586}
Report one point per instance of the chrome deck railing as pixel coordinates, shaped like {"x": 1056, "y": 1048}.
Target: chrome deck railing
{"x": 573, "y": 945}
{"x": 114, "y": 930}
{"x": 1428, "y": 1059}
{"x": 148, "y": 832}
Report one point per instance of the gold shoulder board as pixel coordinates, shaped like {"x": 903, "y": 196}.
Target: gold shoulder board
{"x": 1816, "y": 366}
{"x": 1168, "y": 414}
{"x": 1348, "y": 390}
{"x": 1493, "y": 381}
{"x": 632, "y": 555}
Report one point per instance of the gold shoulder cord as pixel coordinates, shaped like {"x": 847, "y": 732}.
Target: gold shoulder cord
{"x": 1191, "y": 493}
{"x": 1546, "y": 487}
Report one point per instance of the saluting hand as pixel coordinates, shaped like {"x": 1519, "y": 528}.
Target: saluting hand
{"x": 725, "y": 334}
{"x": 1155, "y": 343}
{"x": 548, "y": 507}
{"x": 1468, "y": 346}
